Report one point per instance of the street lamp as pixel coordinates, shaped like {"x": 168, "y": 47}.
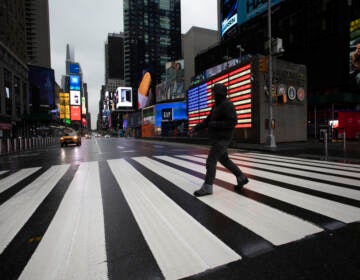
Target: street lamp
{"x": 241, "y": 49}
{"x": 270, "y": 139}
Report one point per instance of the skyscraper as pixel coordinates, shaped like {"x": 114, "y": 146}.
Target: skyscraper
{"x": 37, "y": 32}
{"x": 152, "y": 31}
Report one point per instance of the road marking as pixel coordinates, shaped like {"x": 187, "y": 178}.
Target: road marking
{"x": 74, "y": 244}
{"x": 16, "y": 177}
{"x": 181, "y": 246}
{"x": 16, "y": 211}
{"x": 273, "y": 225}
{"x": 302, "y": 183}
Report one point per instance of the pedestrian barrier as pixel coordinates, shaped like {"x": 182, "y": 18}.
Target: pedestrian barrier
{"x": 25, "y": 144}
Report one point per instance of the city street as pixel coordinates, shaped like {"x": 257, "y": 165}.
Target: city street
{"x": 123, "y": 208}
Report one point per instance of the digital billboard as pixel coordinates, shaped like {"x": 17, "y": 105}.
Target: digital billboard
{"x": 170, "y": 112}
{"x": 64, "y": 101}
{"x": 229, "y": 15}
{"x": 173, "y": 87}
{"x": 355, "y": 53}
{"x": 238, "y": 83}
{"x": 75, "y": 113}
{"x": 75, "y": 99}
{"x": 42, "y": 91}
{"x": 248, "y": 9}
{"x": 74, "y": 68}
{"x": 83, "y": 105}
{"x": 74, "y": 82}
{"x": 123, "y": 97}
{"x": 144, "y": 90}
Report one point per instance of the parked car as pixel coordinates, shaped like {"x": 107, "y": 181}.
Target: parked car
{"x": 70, "y": 139}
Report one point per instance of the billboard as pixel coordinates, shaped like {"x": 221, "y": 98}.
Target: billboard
{"x": 74, "y": 82}
{"x": 64, "y": 101}
{"x": 354, "y": 53}
{"x": 75, "y": 99}
{"x": 83, "y": 105}
{"x": 75, "y": 113}
{"x": 238, "y": 82}
{"x": 229, "y": 15}
{"x": 42, "y": 91}
{"x": 174, "y": 86}
{"x": 74, "y": 68}
{"x": 144, "y": 90}
{"x": 248, "y": 9}
{"x": 123, "y": 97}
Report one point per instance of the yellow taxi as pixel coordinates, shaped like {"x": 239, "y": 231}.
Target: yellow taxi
{"x": 70, "y": 138}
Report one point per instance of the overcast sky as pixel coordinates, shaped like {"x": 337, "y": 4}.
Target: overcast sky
{"x": 85, "y": 24}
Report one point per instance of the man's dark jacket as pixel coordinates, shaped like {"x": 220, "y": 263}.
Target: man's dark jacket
{"x": 221, "y": 121}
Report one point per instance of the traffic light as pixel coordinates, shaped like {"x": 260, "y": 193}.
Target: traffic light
{"x": 263, "y": 64}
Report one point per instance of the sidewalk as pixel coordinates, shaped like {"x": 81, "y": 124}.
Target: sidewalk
{"x": 313, "y": 149}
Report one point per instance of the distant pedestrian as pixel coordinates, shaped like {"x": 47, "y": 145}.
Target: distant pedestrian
{"x": 221, "y": 124}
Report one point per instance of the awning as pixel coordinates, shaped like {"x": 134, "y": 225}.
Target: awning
{"x": 5, "y": 126}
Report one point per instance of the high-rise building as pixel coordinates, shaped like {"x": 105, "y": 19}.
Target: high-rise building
{"x": 114, "y": 61}
{"x": 152, "y": 31}
{"x": 37, "y": 33}
{"x": 13, "y": 69}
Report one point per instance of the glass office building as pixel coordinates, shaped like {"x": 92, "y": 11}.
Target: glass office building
{"x": 152, "y": 37}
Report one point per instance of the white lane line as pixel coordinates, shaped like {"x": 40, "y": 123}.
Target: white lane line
{"x": 17, "y": 210}
{"x": 302, "y": 183}
{"x": 180, "y": 245}
{"x": 273, "y": 225}
{"x": 289, "y": 164}
{"x": 3, "y": 172}
{"x": 12, "y": 179}
{"x": 348, "y": 166}
{"x": 73, "y": 247}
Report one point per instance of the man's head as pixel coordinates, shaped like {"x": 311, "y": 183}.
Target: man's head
{"x": 220, "y": 89}
{"x": 219, "y": 93}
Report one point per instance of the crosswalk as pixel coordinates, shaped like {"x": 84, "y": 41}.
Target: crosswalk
{"x": 137, "y": 217}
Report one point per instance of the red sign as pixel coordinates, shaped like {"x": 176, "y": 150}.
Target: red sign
{"x": 75, "y": 113}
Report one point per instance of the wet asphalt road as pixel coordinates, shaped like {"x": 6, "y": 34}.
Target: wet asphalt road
{"x": 332, "y": 253}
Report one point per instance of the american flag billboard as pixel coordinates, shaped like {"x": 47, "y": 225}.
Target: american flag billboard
{"x": 238, "y": 83}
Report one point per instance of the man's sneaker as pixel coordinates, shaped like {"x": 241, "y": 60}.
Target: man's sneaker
{"x": 205, "y": 189}
{"x": 241, "y": 180}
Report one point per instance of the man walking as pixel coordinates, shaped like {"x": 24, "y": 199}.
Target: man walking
{"x": 220, "y": 123}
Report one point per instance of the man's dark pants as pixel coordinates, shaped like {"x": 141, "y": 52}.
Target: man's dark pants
{"x": 218, "y": 152}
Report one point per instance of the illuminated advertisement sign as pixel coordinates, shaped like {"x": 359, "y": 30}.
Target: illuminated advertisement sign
{"x": 248, "y": 9}
{"x": 144, "y": 90}
{"x": 75, "y": 113}
{"x": 74, "y": 68}
{"x": 173, "y": 87}
{"x": 355, "y": 53}
{"x": 169, "y": 112}
{"x": 123, "y": 97}
{"x": 83, "y": 105}
{"x": 74, "y": 82}
{"x": 64, "y": 101}
{"x": 75, "y": 98}
{"x": 238, "y": 83}
{"x": 42, "y": 91}
{"x": 229, "y": 10}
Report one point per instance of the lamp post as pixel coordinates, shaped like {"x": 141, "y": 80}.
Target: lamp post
{"x": 270, "y": 139}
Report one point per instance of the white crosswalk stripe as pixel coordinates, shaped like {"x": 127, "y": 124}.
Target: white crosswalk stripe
{"x": 181, "y": 246}
{"x": 303, "y": 183}
{"x": 11, "y": 180}
{"x": 74, "y": 242}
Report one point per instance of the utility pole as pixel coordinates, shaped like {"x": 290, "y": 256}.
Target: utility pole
{"x": 270, "y": 140}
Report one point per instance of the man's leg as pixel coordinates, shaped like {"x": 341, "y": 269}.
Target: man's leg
{"x": 215, "y": 153}
{"x": 229, "y": 164}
